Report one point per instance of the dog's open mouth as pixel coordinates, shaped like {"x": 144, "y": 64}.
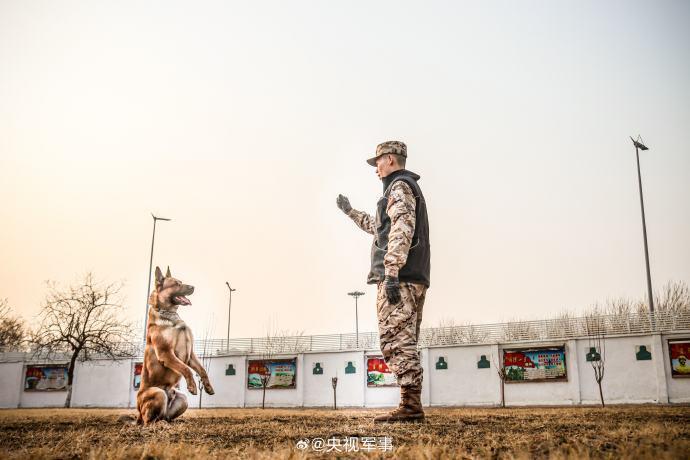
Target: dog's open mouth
{"x": 181, "y": 300}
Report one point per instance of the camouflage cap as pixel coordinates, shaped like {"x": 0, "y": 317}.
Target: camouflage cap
{"x": 392, "y": 147}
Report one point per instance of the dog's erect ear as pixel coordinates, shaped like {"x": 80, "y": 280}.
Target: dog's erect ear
{"x": 159, "y": 277}
{"x": 167, "y": 274}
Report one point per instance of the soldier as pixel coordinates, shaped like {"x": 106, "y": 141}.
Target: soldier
{"x": 400, "y": 266}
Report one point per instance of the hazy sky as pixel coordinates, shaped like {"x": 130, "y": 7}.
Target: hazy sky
{"x": 242, "y": 121}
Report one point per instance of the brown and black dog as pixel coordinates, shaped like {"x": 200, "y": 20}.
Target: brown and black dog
{"x": 169, "y": 354}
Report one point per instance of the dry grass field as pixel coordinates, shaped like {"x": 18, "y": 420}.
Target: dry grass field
{"x": 649, "y": 431}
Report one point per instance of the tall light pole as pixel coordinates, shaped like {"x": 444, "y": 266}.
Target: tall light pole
{"x": 148, "y": 286}
{"x": 229, "y": 307}
{"x": 640, "y": 146}
{"x": 356, "y": 295}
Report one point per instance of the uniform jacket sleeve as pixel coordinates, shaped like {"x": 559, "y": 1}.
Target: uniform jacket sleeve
{"x": 401, "y": 210}
{"x": 363, "y": 221}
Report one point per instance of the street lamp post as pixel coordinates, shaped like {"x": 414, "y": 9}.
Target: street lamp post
{"x": 148, "y": 286}
{"x": 640, "y": 146}
{"x": 229, "y": 307}
{"x": 356, "y": 295}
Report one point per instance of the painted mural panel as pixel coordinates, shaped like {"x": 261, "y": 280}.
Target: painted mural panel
{"x": 378, "y": 374}
{"x": 540, "y": 364}
{"x": 136, "y": 380}
{"x": 678, "y": 353}
{"x": 45, "y": 378}
{"x": 281, "y": 373}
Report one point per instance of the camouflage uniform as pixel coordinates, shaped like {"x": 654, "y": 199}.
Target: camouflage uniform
{"x": 398, "y": 323}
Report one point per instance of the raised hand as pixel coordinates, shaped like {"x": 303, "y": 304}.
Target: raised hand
{"x": 343, "y": 204}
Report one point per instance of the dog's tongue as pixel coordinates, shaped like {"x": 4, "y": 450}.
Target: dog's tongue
{"x": 182, "y": 300}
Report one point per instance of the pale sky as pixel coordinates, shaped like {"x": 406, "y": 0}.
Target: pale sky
{"x": 242, "y": 121}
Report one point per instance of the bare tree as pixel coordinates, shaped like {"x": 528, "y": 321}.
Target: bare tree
{"x": 596, "y": 335}
{"x": 278, "y": 341}
{"x": 623, "y": 315}
{"x": 500, "y": 366}
{"x": 267, "y": 355}
{"x": 275, "y": 342}
{"x": 82, "y": 322}
{"x": 674, "y": 298}
{"x": 562, "y": 326}
{"x": 205, "y": 356}
{"x": 12, "y": 329}
{"x": 517, "y": 330}
{"x": 446, "y": 333}
{"x": 285, "y": 341}
{"x": 366, "y": 341}
{"x": 469, "y": 333}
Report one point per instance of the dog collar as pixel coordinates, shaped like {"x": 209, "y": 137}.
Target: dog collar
{"x": 169, "y": 315}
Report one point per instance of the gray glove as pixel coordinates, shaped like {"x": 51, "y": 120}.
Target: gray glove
{"x": 343, "y": 204}
{"x": 392, "y": 286}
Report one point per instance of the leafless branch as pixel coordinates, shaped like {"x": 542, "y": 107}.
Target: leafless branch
{"x": 12, "y": 329}
{"x": 595, "y": 324}
{"x": 82, "y": 322}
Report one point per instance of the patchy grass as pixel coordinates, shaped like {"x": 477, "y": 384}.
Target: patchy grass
{"x": 659, "y": 432}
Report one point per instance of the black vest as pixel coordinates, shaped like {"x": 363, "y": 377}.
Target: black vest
{"x": 418, "y": 264}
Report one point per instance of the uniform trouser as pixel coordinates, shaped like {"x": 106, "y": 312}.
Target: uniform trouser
{"x": 399, "y": 332}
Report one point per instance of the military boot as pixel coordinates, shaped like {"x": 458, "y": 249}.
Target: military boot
{"x": 410, "y": 407}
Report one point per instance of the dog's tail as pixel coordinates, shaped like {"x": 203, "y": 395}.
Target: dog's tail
{"x": 127, "y": 419}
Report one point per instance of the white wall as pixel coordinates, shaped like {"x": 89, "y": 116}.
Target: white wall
{"x": 130, "y": 383}
{"x": 229, "y": 389}
{"x": 108, "y": 383}
{"x": 463, "y": 383}
{"x": 626, "y": 380}
{"x": 319, "y": 389}
{"x": 101, "y": 383}
{"x": 11, "y": 384}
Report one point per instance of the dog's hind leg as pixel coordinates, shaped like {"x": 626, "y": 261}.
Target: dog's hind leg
{"x": 152, "y": 403}
{"x": 177, "y": 404}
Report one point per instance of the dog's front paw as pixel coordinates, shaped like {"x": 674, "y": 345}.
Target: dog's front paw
{"x": 192, "y": 388}
{"x": 209, "y": 388}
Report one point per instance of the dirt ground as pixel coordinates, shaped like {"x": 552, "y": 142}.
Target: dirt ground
{"x": 648, "y": 431}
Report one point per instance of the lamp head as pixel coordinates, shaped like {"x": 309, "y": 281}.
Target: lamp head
{"x": 638, "y": 143}
{"x": 159, "y": 218}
